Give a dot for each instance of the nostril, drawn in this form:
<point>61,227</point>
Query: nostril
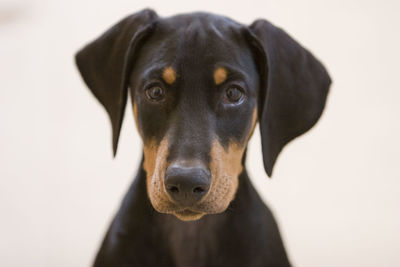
<point>173,189</point>
<point>187,185</point>
<point>198,190</point>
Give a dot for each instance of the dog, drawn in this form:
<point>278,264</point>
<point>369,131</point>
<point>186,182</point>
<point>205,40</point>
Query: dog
<point>199,83</point>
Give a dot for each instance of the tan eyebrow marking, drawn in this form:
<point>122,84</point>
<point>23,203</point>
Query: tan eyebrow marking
<point>220,75</point>
<point>169,75</point>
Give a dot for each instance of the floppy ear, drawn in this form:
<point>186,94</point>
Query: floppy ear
<point>294,89</point>
<point>106,63</point>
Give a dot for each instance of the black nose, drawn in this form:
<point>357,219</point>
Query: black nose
<point>187,185</point>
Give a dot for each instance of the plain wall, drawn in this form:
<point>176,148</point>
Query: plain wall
<point>335,191</point>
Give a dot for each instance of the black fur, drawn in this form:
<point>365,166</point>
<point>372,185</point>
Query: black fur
<point>279,78</point>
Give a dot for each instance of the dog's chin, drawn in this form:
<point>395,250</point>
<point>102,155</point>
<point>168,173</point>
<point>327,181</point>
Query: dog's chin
<point>188,215</point>
<point>185,214</point>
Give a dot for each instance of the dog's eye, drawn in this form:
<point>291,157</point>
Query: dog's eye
<point>233,95</point>
<point>155,93</point>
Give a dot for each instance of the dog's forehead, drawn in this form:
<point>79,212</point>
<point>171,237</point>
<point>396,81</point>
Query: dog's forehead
<point>197,40</point>
<point>201,25</point>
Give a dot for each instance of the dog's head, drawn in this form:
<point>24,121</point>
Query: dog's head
<point>199,83</point>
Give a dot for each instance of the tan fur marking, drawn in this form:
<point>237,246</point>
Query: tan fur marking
<point>253,124</point>
<point>169,75</point>
<point>225,167</point>
<point>135,115</point>
<point>220,75</point>
<point>155,164</point>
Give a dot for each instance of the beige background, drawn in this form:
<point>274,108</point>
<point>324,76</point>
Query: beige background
<point>335,191</point>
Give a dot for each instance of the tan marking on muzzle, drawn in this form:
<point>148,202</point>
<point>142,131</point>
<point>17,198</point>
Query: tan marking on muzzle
<point>169,75</point>
<point>155,164</point>
<point>220,75</point>
<point>225,167</point>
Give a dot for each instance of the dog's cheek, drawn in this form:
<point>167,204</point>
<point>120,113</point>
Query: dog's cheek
<point>135,115</point>
<point>225,168</point>
<point>150,149</point>
<point>155,165</point>
<point>253,124</point>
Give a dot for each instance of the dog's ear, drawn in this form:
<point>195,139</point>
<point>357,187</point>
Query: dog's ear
<point>106,63</point>
<point>294,87</point>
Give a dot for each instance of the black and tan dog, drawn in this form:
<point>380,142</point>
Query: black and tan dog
<point>199,84</point>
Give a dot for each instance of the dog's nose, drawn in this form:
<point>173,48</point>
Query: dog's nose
<point>187,185</point>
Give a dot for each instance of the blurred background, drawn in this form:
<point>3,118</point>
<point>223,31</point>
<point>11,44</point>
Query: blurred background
<point>335,190</point>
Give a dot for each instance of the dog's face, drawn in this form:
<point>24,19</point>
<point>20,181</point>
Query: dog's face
<point>199,83</point>
<point>194,94</point>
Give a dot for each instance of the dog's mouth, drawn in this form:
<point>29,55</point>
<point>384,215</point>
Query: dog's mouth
<point>188,214</point>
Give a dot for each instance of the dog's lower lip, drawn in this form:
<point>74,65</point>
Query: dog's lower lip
<point>187,212</point>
